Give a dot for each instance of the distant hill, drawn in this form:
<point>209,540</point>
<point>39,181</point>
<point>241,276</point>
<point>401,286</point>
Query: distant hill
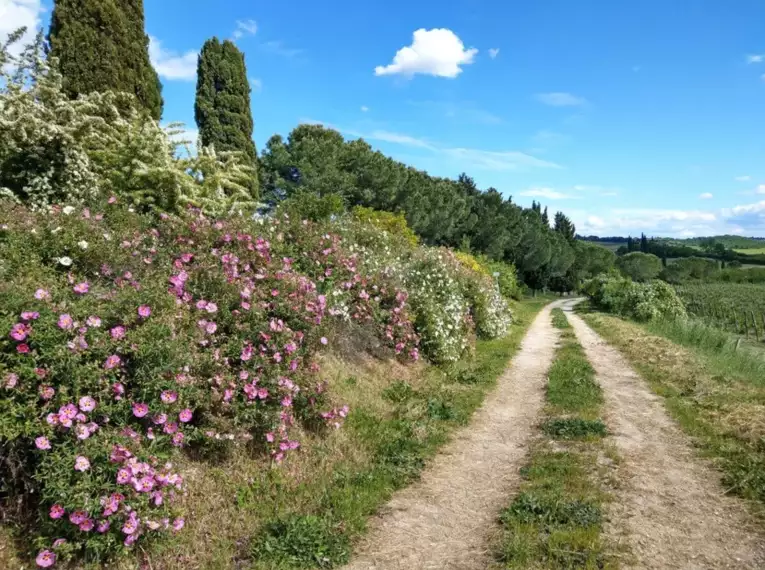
<point>729,241</point>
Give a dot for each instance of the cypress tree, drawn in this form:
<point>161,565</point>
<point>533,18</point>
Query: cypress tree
<point>222,107</point>
<point>101,45</point>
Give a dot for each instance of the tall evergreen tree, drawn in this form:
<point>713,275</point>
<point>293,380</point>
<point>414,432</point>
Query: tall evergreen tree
<point>565,227</point>
<point>101,45</point>
<point>222,108</point>
<point>643,243</point>
<point>545,217</point>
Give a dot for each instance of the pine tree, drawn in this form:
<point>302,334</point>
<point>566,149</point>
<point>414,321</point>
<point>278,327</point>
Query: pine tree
<point>222,107</point>
<point>630,244</point>
<point>101,45</point>
<point>565,227</point>
<point>643,243</point>
<point>545,217</point>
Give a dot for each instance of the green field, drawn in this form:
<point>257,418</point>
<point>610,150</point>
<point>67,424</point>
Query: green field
<point>726,304</point>
<point>751,251</point>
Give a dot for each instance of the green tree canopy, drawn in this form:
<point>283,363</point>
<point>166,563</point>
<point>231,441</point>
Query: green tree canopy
<point>101,46</point>
<point>639,266</point>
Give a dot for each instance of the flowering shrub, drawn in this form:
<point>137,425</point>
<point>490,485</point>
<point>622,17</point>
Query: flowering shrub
<point>126,341</point>
<point>641,301</point>
<point>125,338</point>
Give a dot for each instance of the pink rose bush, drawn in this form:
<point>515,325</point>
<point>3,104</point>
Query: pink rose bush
<point>184,333</point>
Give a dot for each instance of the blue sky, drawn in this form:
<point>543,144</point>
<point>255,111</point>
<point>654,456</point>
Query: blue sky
<point>629,116</point>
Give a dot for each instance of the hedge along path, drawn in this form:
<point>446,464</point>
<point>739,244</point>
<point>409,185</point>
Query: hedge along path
<point>448,518</point>
<point>670,506</point>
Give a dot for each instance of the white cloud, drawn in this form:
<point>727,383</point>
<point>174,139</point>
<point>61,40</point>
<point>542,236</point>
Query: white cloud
<point>493,52</point>
<point>245,28</point>
<point>755,58</point>
<point>706,196</point>
<point>397,138</point>
<point>15,14</point>
<point>760,189</point>
<point>548,193</point>
<point>169,64</point>
<point>596,222</point>
<point>497,160</point>
<point>439,52</point>
<point>277,47</point>
<point>560,99</point>
<point>743,178</point>
<point>600,190</point>
<point>364,108</point>
<point>256,83</point>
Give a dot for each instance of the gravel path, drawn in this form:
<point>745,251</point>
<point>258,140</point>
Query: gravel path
<point>669,508</point>
<point>446,520</point>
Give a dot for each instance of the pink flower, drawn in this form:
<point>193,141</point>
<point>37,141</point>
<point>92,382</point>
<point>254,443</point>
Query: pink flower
<point>178,524</point>
<point>93,321</point>
<point>323,340</point>
<point>45,559</point>
<point>81,463</point>
<point>159,419</point>
<point>47,392</point>
<point>210,328</point>
<point>103,526</point>
<point>41,294</point>
<point>185,415</point>
<point>87,404</point>
<point>211,308</point>
<point>30,315</point>
<point>82,288</point>
<point>119,390</point>
<point>112,362</point>
<point>123,476</point>
<point>86,525</point>
<point>117,332</point>
<point>68,411</point>
<point>59,542</point>
<point>131,525</point>
<point>140,410</point>
<point>77,517</point>
<point>178,439</point>
<point>52,419</point>
<point>112,200</point>
<point>82,431</point>
<point>144,311</point>
<point>22,348</point>
<point>42,443</point>
<point>270,437</point>
<point>169,396</point>
<point>19,331</point>
<point>57,511</point>
<point>170,428</point>
<point>65,322</point>
<point>11,380</point>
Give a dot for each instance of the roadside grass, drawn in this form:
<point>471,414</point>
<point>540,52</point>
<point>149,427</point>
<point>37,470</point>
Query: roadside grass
<point>309,512</point>
<point>714,391</point>
<point>556,520</point>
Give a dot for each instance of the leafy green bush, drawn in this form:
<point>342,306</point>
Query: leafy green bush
<point>392,223</point>
<point>641,301</point>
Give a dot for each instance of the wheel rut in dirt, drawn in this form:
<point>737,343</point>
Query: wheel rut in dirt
<point>670,507</point>
<point>447,519</point>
